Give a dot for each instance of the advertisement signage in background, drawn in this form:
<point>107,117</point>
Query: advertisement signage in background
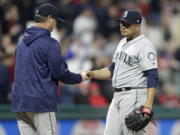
<point>9,128</point>
<point>2,130</point>
<point>95,127</point>
<point>88,127</point>
<point>176,128</point>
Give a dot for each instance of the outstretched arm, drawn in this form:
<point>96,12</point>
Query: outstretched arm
<point>100,74</point>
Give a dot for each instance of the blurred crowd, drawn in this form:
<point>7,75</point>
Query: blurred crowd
<point>89,38</point>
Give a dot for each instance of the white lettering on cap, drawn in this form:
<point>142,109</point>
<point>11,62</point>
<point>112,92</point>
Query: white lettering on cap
<point>125,14</point>
<point>37,11</point>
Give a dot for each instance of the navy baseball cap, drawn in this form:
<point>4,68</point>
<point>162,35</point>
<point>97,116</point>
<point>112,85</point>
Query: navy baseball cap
<point>49,9</point>
<point>131,16</point>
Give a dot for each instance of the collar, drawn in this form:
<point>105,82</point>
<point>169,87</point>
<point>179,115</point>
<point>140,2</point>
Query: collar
<point>135,39</point>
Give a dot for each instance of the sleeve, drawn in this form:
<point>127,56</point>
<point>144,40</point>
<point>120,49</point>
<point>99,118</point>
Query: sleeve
<point>59,68</point>
<point>111,68</point>
<point>152,77</point>
<point>148,58</point>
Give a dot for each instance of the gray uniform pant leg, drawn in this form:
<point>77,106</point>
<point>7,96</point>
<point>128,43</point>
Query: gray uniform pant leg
<point>112,126</point>
<point>122,104</point>
<point>37,123</point>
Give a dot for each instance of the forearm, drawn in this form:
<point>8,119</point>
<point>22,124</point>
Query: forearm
<point>152,81</point>
<point>150,97</point>
<point>102,74</point>
<point>70,77</point>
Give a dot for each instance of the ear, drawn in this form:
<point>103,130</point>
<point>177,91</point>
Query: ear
<point>138,26</point>
<point>49,19</point>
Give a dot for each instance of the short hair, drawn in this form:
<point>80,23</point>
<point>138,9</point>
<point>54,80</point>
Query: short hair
<point>40,19</point>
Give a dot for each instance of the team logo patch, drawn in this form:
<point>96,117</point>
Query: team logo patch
<point>125,14</point>
<point>151,56</point>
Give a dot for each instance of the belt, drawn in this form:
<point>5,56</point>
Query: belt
<point>127,89</point>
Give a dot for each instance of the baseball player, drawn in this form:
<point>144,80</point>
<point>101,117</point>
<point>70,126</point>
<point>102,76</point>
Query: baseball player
<point>39,66</point>
<point>134,75</point>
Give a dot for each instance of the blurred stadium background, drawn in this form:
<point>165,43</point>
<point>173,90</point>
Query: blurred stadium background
<point>89,39</point>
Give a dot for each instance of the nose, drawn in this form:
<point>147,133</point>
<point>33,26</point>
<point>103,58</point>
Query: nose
<point>122,27</point>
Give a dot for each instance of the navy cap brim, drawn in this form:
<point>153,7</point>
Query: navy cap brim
<point>123,20</point>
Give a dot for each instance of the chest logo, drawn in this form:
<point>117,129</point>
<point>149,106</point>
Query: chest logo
<point>126,58</point>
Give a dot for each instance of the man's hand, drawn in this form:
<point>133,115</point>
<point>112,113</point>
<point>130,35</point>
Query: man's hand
<point>86,75</point>
<point>148,105</point>
<point>90,74</point>
<point>101,74</point>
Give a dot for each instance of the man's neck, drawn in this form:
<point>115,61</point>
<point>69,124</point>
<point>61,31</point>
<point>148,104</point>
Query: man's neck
<point>42,25</point>
<point>134,36</point>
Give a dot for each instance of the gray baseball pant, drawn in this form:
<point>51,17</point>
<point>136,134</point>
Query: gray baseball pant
<point>122,104</point>
<point>37,123</point>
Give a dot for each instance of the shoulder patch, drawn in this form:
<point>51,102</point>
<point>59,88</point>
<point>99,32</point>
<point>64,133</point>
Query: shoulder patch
<point>151,56</point>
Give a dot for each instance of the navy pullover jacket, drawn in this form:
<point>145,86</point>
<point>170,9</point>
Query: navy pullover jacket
<point>39,65</point>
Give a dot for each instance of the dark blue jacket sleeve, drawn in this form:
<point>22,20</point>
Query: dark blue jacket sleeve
<point>152,77</point>
<point>111,68</point>
<point>59,69</point>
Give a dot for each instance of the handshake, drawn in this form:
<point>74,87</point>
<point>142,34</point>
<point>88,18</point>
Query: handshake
<point>86,75</point>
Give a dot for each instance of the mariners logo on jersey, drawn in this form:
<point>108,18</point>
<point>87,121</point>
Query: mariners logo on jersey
<point>125,58</point>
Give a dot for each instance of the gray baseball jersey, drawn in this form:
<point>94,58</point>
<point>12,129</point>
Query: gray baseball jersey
<point>131,59</point>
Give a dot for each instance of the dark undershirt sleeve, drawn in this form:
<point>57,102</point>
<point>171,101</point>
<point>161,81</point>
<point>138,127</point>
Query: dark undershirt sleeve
<point>111,68</point>
<point>152,77</point>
